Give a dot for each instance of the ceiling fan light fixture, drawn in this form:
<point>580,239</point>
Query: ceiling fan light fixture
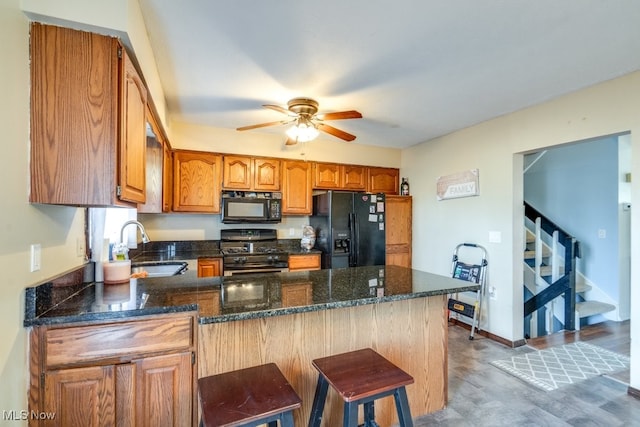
<point>303,131</point>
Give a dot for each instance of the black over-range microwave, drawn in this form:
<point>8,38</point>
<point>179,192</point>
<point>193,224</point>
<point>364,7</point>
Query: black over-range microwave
<point>245,206</point>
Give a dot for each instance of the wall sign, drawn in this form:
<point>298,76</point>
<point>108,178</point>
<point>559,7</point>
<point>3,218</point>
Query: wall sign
<point>461,184</point>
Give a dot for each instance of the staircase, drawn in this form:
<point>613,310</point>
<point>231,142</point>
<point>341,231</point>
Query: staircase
<point>555,293</point>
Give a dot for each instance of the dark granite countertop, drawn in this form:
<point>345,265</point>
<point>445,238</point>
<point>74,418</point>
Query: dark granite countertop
<point>222,299</point>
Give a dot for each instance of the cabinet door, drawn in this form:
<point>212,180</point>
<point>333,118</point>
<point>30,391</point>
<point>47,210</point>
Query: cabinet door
<point>196,181</point>
<point>164,387</point>
<point>80,397</point>
<point>326,176</point>
<point>238,172</point>
<point>133,104</point>
<point>383,180</point>
<point>154,166</point>
<point>398,230</point>
<point>266,175</point>
<point>354,177</point>
<point>74,117</point>
<point>209,267</point>
<point>296,188</point>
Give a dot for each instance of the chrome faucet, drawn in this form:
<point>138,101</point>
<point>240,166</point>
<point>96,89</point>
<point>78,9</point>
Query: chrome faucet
<point>145,238</point>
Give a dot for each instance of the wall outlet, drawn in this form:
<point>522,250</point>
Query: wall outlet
<point>492,292</point>
<point>36,257</point>
<point>292,232</point>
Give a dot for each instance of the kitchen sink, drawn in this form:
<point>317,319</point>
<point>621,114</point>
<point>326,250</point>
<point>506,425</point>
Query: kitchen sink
<point>159,268</point>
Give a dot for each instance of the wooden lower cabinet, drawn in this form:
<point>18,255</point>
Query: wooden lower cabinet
<point>209,267</point>
<point>126,373</point>
<point>81,396</point>
<point>297,294</point>
<point>163,390</point>
<point>304,262</point>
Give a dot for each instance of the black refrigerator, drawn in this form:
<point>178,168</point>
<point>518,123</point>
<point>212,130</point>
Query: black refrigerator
<point>350,228</point>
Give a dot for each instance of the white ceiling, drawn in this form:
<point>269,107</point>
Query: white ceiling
<point>415,69</point>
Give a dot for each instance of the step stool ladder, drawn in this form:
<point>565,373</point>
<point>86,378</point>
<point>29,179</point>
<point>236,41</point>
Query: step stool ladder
<point>476,273</point>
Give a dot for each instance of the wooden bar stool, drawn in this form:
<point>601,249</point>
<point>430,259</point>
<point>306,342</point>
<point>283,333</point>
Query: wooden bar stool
<point>360,377</point>
<point>247,397</point>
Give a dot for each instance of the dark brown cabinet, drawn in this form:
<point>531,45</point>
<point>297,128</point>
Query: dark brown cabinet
<point>88,122</point>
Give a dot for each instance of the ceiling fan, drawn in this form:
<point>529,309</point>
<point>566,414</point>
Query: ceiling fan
<point>303,113</point>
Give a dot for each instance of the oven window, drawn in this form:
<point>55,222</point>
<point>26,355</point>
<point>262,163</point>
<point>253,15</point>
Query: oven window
<point>245,210</point>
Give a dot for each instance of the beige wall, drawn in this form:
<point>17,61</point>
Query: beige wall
<point>495,148</point>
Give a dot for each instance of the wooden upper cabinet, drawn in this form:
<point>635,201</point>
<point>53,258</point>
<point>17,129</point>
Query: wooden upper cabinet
<point>238,171</point>
<point>154,166</point>
<point>383,180</point>
<point>87,120</point>
<point>133,121</point>
<point>334,176</point>
<point>354,177</point>
<point>266,174</point>
<point>248,173</point>
<point>296,188</point>
<point>196,181</point>
<point>327,176</point>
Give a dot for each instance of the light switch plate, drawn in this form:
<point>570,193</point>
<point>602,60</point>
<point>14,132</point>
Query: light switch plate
<point>36,254</point>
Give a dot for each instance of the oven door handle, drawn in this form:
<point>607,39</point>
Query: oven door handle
<point>256,270</point>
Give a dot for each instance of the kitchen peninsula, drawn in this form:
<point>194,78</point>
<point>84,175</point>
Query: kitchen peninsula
<point>286,318</point>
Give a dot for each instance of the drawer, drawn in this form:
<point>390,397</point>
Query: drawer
<point>118,341</point>
<point>304,262</point>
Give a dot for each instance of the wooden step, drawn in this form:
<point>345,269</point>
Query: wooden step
<point>582,287</point>
<point>530,254</point>
<point>591,308</point>
<point>545,270</point>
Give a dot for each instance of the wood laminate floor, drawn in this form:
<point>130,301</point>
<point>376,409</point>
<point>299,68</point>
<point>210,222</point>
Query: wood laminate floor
<point>483,395</point>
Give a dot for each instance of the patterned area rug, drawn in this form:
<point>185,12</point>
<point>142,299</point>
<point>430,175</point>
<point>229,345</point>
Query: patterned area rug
<point>555,367</point>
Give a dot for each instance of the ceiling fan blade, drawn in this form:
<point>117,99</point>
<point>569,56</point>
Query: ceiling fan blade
<point>335,132</point>
<point>279,109</point>
<point>351,114</point>
<point>290,141</point>
<point>262,125</point>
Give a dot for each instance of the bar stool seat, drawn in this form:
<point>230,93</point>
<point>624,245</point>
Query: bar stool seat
<point>247,397</point>
<point>360,377</point>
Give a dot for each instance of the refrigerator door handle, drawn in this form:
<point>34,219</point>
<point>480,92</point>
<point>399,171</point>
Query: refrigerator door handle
<point>355,240</point>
